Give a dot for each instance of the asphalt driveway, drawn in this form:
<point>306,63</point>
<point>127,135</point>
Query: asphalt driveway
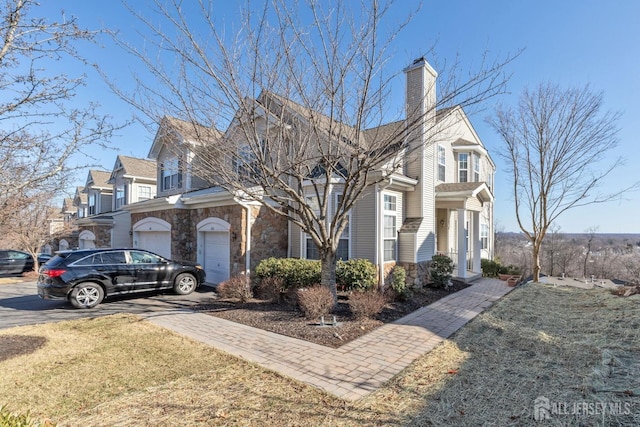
<point>21,305</point>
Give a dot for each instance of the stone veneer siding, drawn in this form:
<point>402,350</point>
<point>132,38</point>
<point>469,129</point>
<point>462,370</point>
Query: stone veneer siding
<point>102,233</point>
<point>268,233</point>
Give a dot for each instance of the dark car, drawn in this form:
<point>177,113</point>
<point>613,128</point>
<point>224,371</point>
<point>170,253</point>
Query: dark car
<point>85,277</point>
<point>13,262</point>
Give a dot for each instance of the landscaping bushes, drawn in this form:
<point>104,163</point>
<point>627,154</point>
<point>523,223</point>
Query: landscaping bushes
<point>237,287</point>
<point>356,274</point>
<point>351,275</point>
<point>366,304</point>
<point>315,301</point>
<point>295,273</point>
<point>398,284</point>
<point>270,288</point>
<point>441,268</point>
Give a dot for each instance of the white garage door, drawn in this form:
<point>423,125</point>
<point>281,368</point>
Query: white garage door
<point>156,241</point>
<point>216,256</point>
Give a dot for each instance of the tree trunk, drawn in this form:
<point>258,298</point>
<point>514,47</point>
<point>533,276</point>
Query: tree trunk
<point>328,274</point>
<point>536,262</point>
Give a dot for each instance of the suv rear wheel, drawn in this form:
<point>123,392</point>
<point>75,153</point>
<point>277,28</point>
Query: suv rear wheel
<point>86,295</point>
<point>184,284</point>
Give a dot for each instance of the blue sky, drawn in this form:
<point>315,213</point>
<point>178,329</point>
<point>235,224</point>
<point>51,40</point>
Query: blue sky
<point>572,43</point>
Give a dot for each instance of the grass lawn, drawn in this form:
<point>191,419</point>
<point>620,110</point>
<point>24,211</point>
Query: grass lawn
<point>577,348</point>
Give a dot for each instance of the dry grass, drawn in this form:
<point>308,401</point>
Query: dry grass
<point>568,345</point>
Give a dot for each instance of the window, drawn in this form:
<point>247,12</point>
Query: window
<point>390,234</point>
<point>342,253</point>
<point>171,174</point>
<point>463,166</point>
<point>104,258</point>
<point>92,204</point>
<point>343,244</point>
<point>476,168</point>
<point>442,162</point>
<point>120,197</point>
<point>312,249</point>
<point>144,192</point>
<point>138,257</point>
<point>484,236</point>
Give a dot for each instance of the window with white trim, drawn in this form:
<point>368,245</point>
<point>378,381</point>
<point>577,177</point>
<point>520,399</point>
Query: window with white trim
<point>442,163</point>
<point>171,174</point>
<point>484,236</point>
<point>343,245</point>
<point>476,167</point>
<point>463,167</point>
<point>311,248</point>
<point>144,192</point>
<point>120,197</point>
<point>389,233</point>
<point>92,204</point>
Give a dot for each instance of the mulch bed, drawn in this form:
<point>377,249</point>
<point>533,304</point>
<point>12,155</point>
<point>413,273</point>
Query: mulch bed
<point>287,320</point>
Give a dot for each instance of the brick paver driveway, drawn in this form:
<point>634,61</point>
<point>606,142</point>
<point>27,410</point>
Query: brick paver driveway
<point>20,304</point>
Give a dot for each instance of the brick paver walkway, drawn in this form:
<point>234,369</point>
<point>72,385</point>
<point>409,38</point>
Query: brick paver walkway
<point>358,367</point>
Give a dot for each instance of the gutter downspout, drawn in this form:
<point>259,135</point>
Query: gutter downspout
<point>247,257</point>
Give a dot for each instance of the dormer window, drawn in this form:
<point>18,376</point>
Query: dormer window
<point>463,167</point>
<point>171,174</point>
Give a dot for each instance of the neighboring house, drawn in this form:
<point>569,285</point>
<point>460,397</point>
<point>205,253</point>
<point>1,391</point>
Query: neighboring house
<point>191,220</point>
<point>97,229</point>
<point>133,180</point>
<point>441,201</point>
<point>80,202</point>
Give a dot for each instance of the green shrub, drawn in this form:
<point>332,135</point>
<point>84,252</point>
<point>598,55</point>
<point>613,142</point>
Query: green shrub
<point>356,274</point>
<point>398,283</point>
<point>490,268</point>
<point>510,269</point>
<point>440,269</point>
<point>236,287</point>
<point>295,273</point>
<point>366,304</point>
<point>315,301</point>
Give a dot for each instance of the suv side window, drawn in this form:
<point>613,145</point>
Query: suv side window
<point>17,255</point>
<point>113,258</point>
<point>139,257</point>
<point>104,258</point>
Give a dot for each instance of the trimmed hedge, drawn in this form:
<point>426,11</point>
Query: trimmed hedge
<point>353,275</point>
<point>356,274</point>
<point>294,272</point>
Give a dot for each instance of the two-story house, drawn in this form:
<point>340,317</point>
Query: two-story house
<point>107,224</point>
<point>133,180</point>
<point>440,201</point>
<point>192,220</point>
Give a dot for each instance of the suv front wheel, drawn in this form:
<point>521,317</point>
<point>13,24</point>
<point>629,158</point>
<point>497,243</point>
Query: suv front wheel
<point>86,295</point>
<point>184,284</point>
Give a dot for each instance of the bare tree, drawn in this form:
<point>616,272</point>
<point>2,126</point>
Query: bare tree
<point>29,219</point>
<point>555,141</point>
<point>302,90</point>
<point>42,126</point>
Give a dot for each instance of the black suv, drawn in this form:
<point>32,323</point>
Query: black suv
<point>86,276</point>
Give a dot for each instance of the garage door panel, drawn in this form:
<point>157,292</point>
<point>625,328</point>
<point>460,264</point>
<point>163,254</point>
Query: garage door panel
<point>216,256</point>
<point>156,241</point>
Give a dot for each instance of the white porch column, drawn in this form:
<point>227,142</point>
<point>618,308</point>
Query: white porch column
<point>477,265</point>
<point>462,244</point>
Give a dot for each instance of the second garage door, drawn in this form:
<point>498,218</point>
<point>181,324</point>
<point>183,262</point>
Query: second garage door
<point>216,256</point>
<point>156,241</point>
